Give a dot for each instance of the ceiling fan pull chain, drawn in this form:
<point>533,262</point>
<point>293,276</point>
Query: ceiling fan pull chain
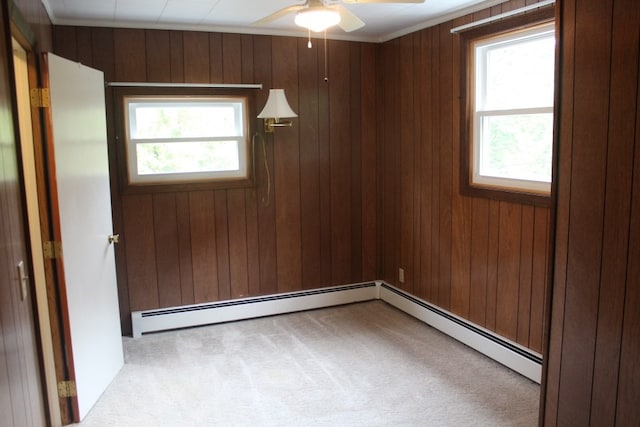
<point>309,44</point>
<point>326,73</point>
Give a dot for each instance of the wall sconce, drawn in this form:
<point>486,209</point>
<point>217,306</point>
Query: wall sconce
<point>275,109</point>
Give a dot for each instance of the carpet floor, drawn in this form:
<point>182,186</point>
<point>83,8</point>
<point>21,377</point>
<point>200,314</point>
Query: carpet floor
<point>364,364</point>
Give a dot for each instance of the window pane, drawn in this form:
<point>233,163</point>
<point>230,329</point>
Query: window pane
<point>517,147</point>
<point>180,120</point>
<point>185,157</point>
<point>519,73</point>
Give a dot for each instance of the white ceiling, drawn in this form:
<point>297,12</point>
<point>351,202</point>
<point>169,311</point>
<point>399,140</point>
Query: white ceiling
<point>383,21</point>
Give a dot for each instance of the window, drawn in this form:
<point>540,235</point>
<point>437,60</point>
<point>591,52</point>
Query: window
<point>510,91</point>
<point>183,139</point>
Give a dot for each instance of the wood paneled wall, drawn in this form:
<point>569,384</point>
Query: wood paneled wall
<point>35,14</point>
<point>319,225</point>
<point>484,260</point>
<point>22,401</point>
<point>593,374</point>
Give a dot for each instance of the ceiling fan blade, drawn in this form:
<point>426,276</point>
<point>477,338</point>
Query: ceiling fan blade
<point>348,21</point>
<point>279,14</point>
<point>382,1</point>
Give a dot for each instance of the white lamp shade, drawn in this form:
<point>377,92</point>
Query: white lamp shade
<point>317,19</point>
<point>277,106</point>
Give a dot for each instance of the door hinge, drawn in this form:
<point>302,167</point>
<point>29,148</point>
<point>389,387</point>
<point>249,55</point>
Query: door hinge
<point>40,97</point>
<point>67,389</point>
<point>52,250</point>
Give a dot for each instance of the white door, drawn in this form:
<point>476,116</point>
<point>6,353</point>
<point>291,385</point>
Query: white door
<point>79,140</point>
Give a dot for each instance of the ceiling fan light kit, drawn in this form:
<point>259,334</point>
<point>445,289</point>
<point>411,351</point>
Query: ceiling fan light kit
<point>317,19</point>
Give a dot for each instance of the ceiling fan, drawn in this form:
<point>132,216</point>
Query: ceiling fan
<point>318,15</point>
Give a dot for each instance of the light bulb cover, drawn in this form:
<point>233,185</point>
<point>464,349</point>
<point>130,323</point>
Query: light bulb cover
<point>317,19</point>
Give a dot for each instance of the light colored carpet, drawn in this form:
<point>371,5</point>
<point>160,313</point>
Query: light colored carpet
<point>364,364</point>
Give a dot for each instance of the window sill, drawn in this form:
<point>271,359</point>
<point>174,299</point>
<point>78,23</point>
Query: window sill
<point>543,200</point>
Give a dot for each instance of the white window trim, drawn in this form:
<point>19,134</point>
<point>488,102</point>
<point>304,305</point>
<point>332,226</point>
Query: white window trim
<point>508,184</point>
<point>242,140</point>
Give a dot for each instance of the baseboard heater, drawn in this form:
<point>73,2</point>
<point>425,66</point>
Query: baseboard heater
<point>511,354</point>
<point>248,308</point>
<point>504,351</point>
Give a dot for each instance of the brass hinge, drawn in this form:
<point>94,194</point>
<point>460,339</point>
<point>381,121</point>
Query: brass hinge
<point>67,389</point>
<point>40,97</point>
<point>52,250</point>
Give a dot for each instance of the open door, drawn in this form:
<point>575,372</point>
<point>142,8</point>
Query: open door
<point>80,201</point>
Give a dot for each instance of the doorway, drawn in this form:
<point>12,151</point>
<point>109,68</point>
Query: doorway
<point>25,120</point>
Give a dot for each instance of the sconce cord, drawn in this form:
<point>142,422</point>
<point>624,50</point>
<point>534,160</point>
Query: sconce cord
<point>265,199</point>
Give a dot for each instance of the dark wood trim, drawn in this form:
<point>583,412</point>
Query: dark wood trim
<point>57,287</point>
<point>118,94</point>
<point>551,242</point>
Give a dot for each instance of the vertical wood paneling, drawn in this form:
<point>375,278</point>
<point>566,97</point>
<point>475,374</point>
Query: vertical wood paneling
<point>308,81</point>
<point>253,243</point>
<point>564,133</point>
<point>526,266</point>
<point>165,230</point>
<point>140,244</point>
<point>265,187</point>
<point>324,159</point>
<point>237,222</point>
<point>508,279</point>
<point>539,278</point>
<point>203,246</point>
<point>492,265</point>
<point>446,106</point>
<point>356,162</point>
<point>195,47</point>
<point>617,213</point>
<point>216,58</point>
<point>435,200</point>
<point>223,256</point>
<point>369,174</point>
<point>231,64</point>
<point>417,114</point>
<point>479,258</point>
<point>65,40</point>
<point>103,52</point>
<point>426,153</point>
<point>592,371</point>
<point>238,244</point>
<point>158,48</point>
<point>250,194</point>
<point>286,172</point>
<point>390,172</point>
<point>592,50</point>
<point>340,151</point>
<point>476,257</point>
<point>406,165</point>
<point>176,64</point>
<point>84,48</point>
<point>130,55</point>
<point>627,411</point>
<point>461,217</point>
<point>184,248</point>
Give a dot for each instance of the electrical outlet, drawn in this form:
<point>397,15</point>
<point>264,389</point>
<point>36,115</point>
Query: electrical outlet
<point>401,275</point>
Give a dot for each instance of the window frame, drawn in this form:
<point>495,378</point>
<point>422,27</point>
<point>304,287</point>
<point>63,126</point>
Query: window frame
<point>468,187</point>
<point>163,183</point>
